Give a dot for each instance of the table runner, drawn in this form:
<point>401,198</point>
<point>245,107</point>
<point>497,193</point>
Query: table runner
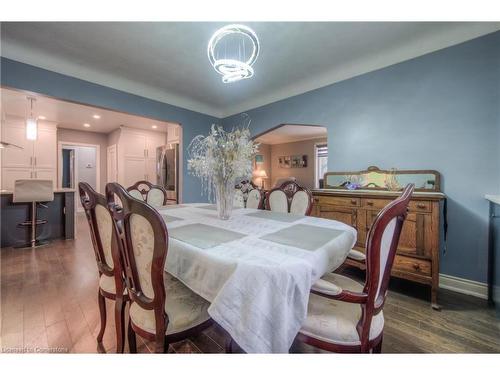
<point>258,289</point>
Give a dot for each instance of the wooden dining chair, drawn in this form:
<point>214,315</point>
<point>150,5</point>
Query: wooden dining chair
<point>290,197</point>
<point>107,257</point>
<point>155,195</point>
<point>345,316</point>
<point>162,308</point>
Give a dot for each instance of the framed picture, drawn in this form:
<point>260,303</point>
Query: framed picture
<point>259,159</point>
<point>299,161</point>
<point>284,162</point>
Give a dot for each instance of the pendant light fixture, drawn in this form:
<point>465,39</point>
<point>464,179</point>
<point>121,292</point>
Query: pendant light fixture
<point>31,121</point>
<point>232,51</point>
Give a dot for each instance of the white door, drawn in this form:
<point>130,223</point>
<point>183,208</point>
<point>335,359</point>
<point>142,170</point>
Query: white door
<point>112,171</point>
<point>10,175</point>
<point>133,171</point>
<point>14,157</point>
<point>45,155</point>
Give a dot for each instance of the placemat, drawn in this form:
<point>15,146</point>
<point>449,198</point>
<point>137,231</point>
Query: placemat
<point>203,236</point>
<point>304,236</point>
<point>278,216</point>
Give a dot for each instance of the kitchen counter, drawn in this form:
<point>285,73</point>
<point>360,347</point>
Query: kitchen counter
<point>493,198</point>
<point>59,190</point>
<point>59,213</point>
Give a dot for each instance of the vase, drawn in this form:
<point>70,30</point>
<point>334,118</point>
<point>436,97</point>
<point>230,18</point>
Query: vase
<point>224,196</point>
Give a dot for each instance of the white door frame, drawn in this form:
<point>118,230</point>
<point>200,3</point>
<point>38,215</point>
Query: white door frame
<point>115,178</point>
<point>60,145</point>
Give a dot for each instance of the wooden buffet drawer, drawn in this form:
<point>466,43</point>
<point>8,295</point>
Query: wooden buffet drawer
<point>415,206</point>
<point>413,265</point>
<point>420,206</point>
<point>338,201</point>
<point>374,203</point>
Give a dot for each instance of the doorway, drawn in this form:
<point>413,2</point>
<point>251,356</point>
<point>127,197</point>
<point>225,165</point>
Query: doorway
<point>78,163</point>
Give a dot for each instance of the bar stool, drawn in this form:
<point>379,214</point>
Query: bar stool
<point>33,191</point>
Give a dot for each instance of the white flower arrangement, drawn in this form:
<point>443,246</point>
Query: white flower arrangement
<point>221,158</point>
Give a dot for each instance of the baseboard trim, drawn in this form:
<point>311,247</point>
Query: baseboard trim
<point>464,286</point>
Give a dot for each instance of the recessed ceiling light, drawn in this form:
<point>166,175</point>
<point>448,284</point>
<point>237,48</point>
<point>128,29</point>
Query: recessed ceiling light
<point>86,125</point>
<point>154,126</point>
<point>96,117</point>
<point>42,117</point>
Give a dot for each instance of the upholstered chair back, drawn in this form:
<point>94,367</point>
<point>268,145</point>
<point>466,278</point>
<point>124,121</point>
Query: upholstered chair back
<point>239,199</point>
<point>142,239</point>
<point>301,203</point>
<point>290,197</point>
<point>254,199</point>
<point>101,227</point>
<point>277,201</point>
<point>154,195</point>
<point>381,246</point>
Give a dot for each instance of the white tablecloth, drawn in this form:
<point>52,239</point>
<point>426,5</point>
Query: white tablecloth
<point>258,289</point>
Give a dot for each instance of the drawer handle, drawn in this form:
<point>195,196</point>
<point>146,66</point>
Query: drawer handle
<point>316,200</point>
<point>416,266</point>
<point>354,201</point>
<point>421,205</point>
<point>369,203</point>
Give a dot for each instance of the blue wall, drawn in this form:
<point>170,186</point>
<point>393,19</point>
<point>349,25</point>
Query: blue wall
<point>438,111</point>
<point>26,77</point>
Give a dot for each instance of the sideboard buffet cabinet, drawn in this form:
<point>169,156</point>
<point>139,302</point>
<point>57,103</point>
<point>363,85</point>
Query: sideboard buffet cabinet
<point>355,198</point>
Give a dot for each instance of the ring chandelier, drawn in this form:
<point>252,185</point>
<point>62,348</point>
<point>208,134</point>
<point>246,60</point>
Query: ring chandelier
<point>233,69</point>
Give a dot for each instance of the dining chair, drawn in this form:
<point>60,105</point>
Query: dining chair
<point>155,195</point>
<point>255,199</point>
<point>107,257</point>
<point>162,308</point>
<point>345,316</point>
<point>248,195</point>
<point>290,197</point>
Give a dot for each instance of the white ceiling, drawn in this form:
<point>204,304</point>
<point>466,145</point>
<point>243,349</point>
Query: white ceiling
<point>167,61</point>
<point>72,116</point>
<point>292,133</point>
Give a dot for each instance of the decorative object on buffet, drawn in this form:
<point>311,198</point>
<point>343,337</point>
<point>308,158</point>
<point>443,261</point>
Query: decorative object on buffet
<point>374,178</point>
<point>220,159</point>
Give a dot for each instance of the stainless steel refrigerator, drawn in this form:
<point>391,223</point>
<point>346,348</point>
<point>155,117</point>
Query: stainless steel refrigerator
<point>167,166</point>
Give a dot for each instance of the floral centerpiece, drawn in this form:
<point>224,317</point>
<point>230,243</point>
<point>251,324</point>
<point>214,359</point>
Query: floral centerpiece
<point>220,159</point>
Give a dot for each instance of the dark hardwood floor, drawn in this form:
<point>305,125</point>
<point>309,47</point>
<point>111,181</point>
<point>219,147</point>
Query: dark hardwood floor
<point>49,304</point>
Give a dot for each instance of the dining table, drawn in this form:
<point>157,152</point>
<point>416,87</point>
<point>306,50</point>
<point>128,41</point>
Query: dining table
<point>256,268</point>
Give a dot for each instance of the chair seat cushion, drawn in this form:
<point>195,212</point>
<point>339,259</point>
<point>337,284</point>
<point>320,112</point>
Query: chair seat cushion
<point>185,309</point>
<point>356,255</point>
<point>335,321</point>
<point>107,283</point>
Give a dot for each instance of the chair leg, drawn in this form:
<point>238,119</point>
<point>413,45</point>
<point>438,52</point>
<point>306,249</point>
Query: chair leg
<point>161,345</point>
<point>377,349</point>
<point>131,338</point>
<point>120,324</point>
<point>229,345</point>
<point>102,310</point>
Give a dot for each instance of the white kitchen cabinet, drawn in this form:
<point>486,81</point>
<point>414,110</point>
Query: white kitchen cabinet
<point>136,155</point>
<point>174,134</point>
<point>10,175</point>
<point>15,133</point>
<point>45,149</point>
<point>36,159</point>
<point>46,174</point>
